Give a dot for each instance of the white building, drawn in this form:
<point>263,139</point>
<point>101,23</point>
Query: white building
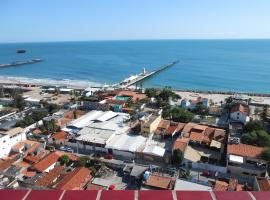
<point>9,139</point>
<point>240,113</point>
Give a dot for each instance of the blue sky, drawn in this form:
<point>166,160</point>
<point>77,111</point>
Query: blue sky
<point>72,20</point>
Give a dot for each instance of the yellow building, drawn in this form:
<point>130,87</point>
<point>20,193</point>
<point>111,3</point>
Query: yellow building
<point>149,124</point>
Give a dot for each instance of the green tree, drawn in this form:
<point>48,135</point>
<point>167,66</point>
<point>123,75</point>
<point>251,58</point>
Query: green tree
<point>74,114</point>
<point>181,115</point>
<point>177,157</point>
<point>151,92</point>
<point>64,160</point>
<point>201,110</point>
<point>18,102</point>
<point>260,138</point>
<point>266,154</point>
<point>84,161</point>
<point>254,125</point>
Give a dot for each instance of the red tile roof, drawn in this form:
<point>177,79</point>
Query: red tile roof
<point>241,108</point>
<point>264,184</point>
<point>75,180</point>
<point>51,159</point>
<point>181,143</point>
<point>50,178</point>
<point>245,150</point>
<point>62,135</point>
<point>160,182</point>
<point>5,164</point>
<point>198,137</point>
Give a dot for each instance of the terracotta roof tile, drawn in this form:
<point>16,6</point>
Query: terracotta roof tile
<point>180,143</point>
<point>62,135</point>
<point>159,182</point>
<point>241,108</point>
<point>198,137</point>
<point>50,178</point>
<point>53,158</point>
<point>75,180</point>
<point>245,150</point>
<point>92,186</point>
<point>221,186</point>
<point>264,184</point>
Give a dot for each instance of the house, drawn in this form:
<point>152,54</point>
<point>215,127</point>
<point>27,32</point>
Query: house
<point>240,113</point>
<point>262,184</point>
<point>75,180</point>
<point>191,104</point>
<point>49,162</point>
<point>134,96</point>
<point>231,185</point>
<point>149,124</point>
<point>202,146</point>
<point>51,177</point>
<point>9,139</point>
<point>59,138</point>
<point>245,160</point>
<point>158,182</point>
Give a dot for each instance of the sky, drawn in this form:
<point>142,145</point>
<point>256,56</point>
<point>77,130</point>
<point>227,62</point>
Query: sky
<point>79,20</point>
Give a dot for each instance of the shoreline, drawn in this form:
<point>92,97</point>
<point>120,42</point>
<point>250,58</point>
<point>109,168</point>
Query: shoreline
<point>82,84</point>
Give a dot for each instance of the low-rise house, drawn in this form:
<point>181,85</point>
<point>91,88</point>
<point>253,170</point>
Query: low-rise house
<point>191,104</point>
<point>262,184</point>
<point>75,180</point>
<point>202,146</point>
<point>159,182</point>
<point>9,139</point>
<point>59,138</point>
<point>246,160</point>
<point>240,113</point>
<point>49,162</point>
<point>231,185</point>
<point>50,179</point>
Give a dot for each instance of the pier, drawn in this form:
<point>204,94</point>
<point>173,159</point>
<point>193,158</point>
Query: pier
<point>132,80</point>
<point>18,63</point>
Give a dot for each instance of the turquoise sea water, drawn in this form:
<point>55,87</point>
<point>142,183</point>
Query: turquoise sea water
<point>227,65</point>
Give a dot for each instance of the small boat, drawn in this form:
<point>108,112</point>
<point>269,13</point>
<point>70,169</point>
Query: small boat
<point>21,51</point>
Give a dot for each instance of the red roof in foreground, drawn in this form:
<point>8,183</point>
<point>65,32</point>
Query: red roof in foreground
<point>78,195</point>
<point>129,195</point>
<point>156,195</point>
<point>117,195</point>
<point>233,195</point>
<point>189,195</point>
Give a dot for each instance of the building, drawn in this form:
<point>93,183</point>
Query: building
<point>75,180</point>
<point>240,113</point>
<point>202,146</point>
<point>9,139</point>
<point>50,161</point>
<point>231,185</point>
<point>262,184</point>
<point>245,160</point>
<point>149,124</point>
<point>191,104</point>
<point>50,179</point>
<point>158,182</point>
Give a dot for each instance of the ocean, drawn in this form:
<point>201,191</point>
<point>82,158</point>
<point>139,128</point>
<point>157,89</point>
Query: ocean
<point>222,65</point>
